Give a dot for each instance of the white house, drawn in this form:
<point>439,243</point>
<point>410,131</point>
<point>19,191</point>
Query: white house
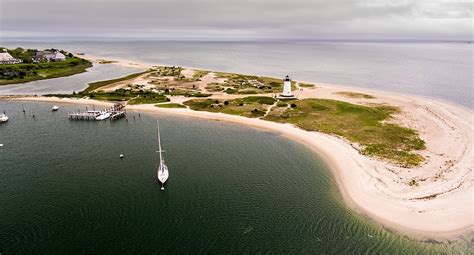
<point>49,56</point>
<point>6,58</point>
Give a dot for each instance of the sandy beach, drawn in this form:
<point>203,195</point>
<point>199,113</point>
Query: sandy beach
<point>440,206</point>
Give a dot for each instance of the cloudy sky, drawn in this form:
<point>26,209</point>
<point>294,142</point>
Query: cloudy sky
<point>229,19</point>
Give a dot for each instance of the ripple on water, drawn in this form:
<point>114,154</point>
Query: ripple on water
<point>232,190</point>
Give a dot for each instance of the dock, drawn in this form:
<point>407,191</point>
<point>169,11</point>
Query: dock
<point>113,113</point>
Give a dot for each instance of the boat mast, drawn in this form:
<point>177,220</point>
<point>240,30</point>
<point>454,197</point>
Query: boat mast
<point>159,143</point>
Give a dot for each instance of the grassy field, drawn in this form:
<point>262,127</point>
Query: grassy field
<point>25,72</point>
<point>252,106</point>
<point>366,126</point>
<point>171,105</point>
<point>98,84</point>
<point>354,95</point>
<point>250,84</point>
<point>149,99</point>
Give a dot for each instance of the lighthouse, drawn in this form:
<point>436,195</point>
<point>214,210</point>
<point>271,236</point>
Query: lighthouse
<point>286,89</point>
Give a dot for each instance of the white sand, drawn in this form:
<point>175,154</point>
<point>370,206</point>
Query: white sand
<point>440,207</point>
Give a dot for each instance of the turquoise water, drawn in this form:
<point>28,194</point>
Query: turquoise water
<point>232,189</point>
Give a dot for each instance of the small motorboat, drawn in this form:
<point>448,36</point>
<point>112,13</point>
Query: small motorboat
<point>3,118</point>
<point>55,108</point>
<point>103,115</point>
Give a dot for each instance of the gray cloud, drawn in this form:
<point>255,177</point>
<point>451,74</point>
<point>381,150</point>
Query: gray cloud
<point>241,19</point>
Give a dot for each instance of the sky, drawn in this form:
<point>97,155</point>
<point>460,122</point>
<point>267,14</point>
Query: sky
<point>239,19</point>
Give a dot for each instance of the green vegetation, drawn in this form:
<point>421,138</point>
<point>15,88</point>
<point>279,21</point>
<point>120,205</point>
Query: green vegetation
<point>354,95</point>
<point>306,85</point>
<point>104,61</point>
<point>199,74</point>
<point>252,107</point>
<point>184,92</point>
<point>364,125</point>
<point>168,71</point>
<point>412,182</point>
<point>25,72</point>
<point>171,105</point>
<point>214,87</point>
<point>134,97</point>
<point>149,99</point>
<point>98,84</point>
<point>250,84</point>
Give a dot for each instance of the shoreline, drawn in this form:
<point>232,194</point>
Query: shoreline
<point>440,208</point>
<point>349,168</point>
<point>135,64</point>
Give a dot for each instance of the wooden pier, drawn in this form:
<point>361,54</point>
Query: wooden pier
<point>113,113</point>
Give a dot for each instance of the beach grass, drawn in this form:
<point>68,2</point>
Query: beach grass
<point>199,74</point>
<point>171,105</point>
<point>354,95</point>
<point>252,106</point>
<point>163,71</point>
<point>369,127</point>
<point>104,61</point>
<point>250,84</point>
<point>306,85</point>
<point>98,84</point>
<point>149,99</point>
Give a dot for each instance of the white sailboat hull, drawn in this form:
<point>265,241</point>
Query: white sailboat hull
<point>163,176</point>
<point>163,173</point>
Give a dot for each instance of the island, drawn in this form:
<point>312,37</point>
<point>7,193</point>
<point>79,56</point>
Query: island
<point>24,65</point>
<point>401,160</point>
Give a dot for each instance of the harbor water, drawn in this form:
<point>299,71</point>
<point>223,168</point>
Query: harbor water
<point>232,189</point>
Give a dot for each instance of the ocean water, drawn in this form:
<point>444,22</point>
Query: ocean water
<point>232,189</point>
<point>437,70</point>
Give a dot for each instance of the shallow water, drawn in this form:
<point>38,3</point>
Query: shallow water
<point>438,70</point>
<point>232,189</point>
<point>69,84</point>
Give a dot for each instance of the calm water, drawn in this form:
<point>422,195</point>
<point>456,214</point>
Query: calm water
<point>66,85</point>
<point>439,70</point>
<point>63,189</point>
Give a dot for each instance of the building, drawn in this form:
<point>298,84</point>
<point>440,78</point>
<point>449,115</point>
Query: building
<point>49,56</point>
<point>6,58</point>
<point>287,94</point>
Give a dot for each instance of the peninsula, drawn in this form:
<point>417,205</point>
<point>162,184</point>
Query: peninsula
<point>404,161</point>
<point>24,65</point>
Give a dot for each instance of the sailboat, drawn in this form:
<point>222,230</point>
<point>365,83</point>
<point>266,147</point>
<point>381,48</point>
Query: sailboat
<point>162,172</point>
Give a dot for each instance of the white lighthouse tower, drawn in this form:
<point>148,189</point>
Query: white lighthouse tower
<point>287,89</point>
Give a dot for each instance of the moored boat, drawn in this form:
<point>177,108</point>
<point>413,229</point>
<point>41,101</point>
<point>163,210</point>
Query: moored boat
<point>3,118</point>
<point>162,172</point>
<point>103,115</point>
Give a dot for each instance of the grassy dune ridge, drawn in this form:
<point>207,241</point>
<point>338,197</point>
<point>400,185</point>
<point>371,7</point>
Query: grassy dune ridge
<point>369,127</point>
